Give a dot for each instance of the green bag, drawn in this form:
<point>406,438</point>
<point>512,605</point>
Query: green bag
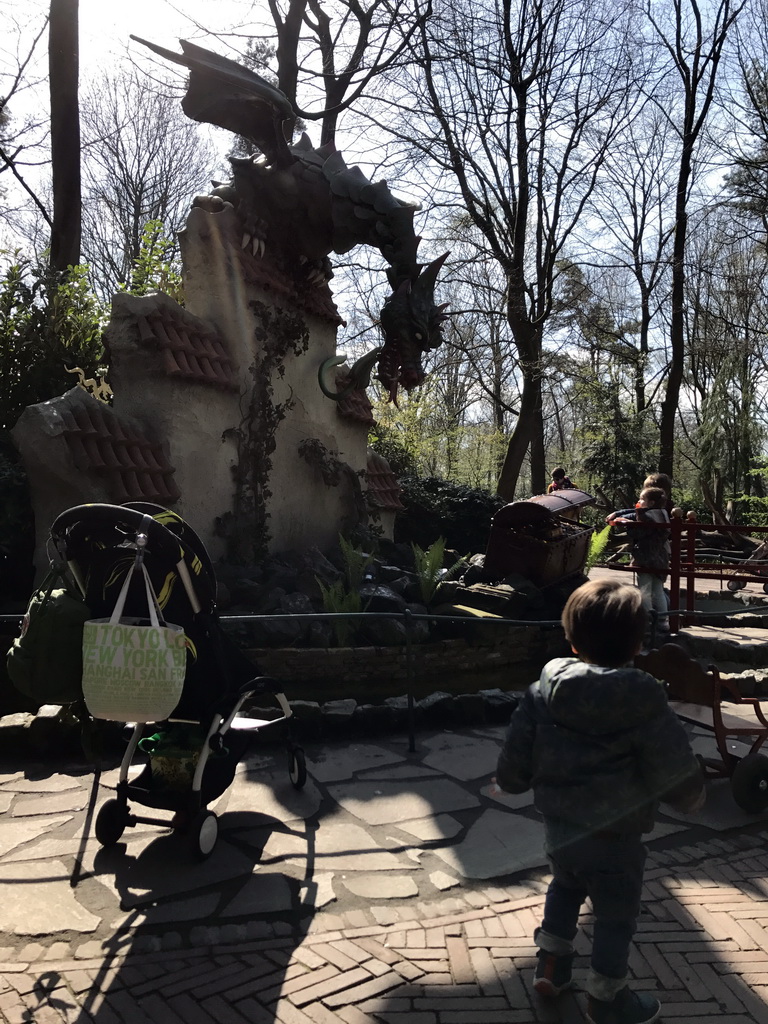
<point>46,660</point>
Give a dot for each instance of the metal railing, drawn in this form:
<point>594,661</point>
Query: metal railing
<point>687,564</point>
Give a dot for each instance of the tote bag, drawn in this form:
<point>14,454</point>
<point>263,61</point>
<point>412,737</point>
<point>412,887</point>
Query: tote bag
<point>133,669</point>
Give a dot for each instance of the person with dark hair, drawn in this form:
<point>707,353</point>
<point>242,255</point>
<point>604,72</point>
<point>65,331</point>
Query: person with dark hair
<point>597,741</point>
<point>560,481</point>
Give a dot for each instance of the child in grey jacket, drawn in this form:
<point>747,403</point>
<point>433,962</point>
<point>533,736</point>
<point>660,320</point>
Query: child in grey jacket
<point>597,741</point>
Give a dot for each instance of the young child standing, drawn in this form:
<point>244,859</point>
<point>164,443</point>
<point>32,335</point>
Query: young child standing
<point>597,741</point>
<point>651,551</point>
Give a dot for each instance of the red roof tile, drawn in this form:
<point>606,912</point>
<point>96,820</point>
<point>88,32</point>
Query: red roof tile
<point>355,405</point>
<point>383,489</point>
<point>189,348</point>
<point>134,467</point>
<point>315,299</point>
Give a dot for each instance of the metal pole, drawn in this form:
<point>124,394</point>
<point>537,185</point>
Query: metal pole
<point>409,681</point>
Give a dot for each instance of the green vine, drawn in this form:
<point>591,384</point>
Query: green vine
<point>277,334</point>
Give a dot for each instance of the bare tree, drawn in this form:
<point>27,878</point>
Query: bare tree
<point>635,202</point>
<point>327,54</point>
<point>144,161</point>
<point>22,130</point>
<point>694,49</point>
<point>515,106</point>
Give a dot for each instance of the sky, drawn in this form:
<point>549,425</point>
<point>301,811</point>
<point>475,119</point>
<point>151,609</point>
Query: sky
<point>106,27</point>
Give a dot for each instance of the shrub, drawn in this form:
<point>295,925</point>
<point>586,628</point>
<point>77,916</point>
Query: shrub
<point>437,508</point>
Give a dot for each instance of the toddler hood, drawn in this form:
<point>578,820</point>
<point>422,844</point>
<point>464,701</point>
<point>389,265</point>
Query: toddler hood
<point>597,700</point>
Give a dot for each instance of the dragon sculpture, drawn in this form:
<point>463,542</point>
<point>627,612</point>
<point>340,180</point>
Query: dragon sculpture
<point>300,203</point>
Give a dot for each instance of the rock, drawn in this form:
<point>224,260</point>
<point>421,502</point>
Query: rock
<point>468,709</point>
<point>378,597</point>
<point>374,718</point>
<point>338,713</point>
<point>383,632</point>
<point>413,591</point>
<point>282,577</point>
<point>399,708</point>
<point>296,604</point>
<point>476,574</point>
<point>248,592</point>
<point>15,733</point>
<point>311,561</point>
<point>419,629</point>
<point>447,590</point>
<point>499,704</point>
<point>397,554</point>
<point>320,633</point>
<point>53,729</point>
<point>400,584</point>
<point>431,709</point>
<point>281,632</point>
<point>392,573</point>
<point>308,717</point>
<point>307,584</point>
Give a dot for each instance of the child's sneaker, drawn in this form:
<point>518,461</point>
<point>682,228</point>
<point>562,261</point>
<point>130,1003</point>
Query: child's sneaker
<point>553,974</point>
<point>626,1007</point>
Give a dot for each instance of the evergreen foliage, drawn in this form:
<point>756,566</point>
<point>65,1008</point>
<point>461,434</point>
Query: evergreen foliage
<point>437,508</point>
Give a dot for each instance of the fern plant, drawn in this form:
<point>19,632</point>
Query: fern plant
<point>344,595</point>
<point>597,546</point>
<point>429,568</point>
<point>337,598</point>
<point>355,563</point>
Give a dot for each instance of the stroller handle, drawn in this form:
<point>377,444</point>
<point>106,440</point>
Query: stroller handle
<point>119,517</point>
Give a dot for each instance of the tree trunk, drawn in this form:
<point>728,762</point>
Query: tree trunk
<point>527,434</point>
<point>63,65</point>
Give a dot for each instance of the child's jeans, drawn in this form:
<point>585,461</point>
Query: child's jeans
<point>654,597</point>
<point>607,868</point>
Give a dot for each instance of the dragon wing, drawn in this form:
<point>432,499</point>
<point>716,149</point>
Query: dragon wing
<point>224,93</point>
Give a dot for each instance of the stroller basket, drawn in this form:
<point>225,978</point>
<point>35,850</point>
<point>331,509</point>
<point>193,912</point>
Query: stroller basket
<point>138,552</point>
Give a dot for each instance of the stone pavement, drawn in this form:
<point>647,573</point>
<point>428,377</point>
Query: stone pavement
<point>393,888</point>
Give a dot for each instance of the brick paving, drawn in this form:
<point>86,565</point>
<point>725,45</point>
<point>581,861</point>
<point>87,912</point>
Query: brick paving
<point>701,947</point>
<point>395,889</point>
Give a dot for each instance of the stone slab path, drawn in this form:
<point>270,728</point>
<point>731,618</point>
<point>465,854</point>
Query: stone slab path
<point>393,888</point>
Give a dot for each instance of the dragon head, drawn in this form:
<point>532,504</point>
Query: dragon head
<point>411,324</point>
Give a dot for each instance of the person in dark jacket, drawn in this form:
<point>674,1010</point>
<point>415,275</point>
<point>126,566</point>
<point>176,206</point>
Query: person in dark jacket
<point>597,741</point>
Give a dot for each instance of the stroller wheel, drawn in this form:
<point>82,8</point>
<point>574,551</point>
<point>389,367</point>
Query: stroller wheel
<point>734,585</point>
<point>298,768</point>
<point>765,588</point>
<point>749,783</point>
<point>110,822</point>
<point>203,832</point>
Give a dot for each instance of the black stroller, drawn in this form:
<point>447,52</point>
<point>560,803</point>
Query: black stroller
<point>194,753</point>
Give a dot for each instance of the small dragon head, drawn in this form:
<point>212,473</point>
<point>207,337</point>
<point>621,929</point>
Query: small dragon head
<point>411,324</point>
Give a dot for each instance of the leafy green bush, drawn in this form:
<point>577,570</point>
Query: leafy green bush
<point>388,443</point>
<point>751,510</point>
<point>49,323</point>
<point>437,508</point>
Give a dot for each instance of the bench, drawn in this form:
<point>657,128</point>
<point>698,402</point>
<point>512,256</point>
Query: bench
<point>700,696</point>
